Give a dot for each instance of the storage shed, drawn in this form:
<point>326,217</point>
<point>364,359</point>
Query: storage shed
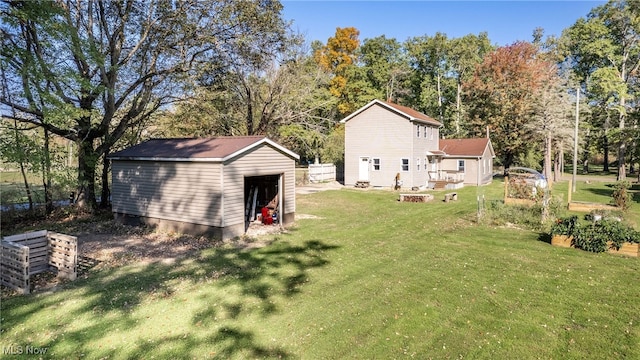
<point>215,185</point>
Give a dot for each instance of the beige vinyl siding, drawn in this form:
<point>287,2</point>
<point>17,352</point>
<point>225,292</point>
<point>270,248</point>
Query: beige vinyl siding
<point>263,160</point>
<point>487,173</point>
<point>378,133</point>
<point>180,191</point>
<point>421,145</point>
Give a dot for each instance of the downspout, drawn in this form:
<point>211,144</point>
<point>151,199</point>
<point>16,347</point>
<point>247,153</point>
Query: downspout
<point>478,162</point>
<point>280,201</point>
<point>222,210</point>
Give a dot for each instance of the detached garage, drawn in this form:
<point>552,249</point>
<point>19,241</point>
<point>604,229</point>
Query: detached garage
<point>213,186</point>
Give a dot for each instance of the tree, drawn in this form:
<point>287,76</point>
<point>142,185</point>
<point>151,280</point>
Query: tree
<point>385,68</point>
<point>551,120</point>
<point>501,95</point>
<point>608,42</point>
<point>336,57</point>
<point>88,70</point>
<point>466,52</point>
<point>429,56</point>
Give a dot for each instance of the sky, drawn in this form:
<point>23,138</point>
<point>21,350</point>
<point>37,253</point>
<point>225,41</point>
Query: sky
<point>505,21</point>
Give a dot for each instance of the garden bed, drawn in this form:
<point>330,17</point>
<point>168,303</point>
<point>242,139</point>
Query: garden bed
<point>583,206</point>
<point>606,234</point>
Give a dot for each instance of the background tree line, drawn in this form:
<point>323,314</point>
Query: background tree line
<point>106,75</point>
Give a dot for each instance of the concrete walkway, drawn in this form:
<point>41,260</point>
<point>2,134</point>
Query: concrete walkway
<point>316,187</point>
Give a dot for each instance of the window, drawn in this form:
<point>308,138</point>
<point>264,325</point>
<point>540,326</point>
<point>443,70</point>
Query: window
<point>461,165</point>
<point>418,164</point>
<point>431,133</point>
<point>417,130</point>
<point>405,164</point>
<point>376,164</point>
<point>425,131</point>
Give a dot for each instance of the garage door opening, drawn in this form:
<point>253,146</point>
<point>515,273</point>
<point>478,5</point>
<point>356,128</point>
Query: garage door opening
<point>262,192</point>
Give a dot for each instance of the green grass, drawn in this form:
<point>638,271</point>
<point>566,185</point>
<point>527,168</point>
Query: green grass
<point>600,192</point>
<point>370,278</point>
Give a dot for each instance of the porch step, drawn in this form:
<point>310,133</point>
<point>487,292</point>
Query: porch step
<point>440,184</point>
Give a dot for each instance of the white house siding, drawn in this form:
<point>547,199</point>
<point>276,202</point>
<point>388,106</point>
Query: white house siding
<point>421,145</point>
<point>472,166</point>
<point>189,192</point>
<point>378,133</point>
<point>263,160</point>
<point>486,175</point>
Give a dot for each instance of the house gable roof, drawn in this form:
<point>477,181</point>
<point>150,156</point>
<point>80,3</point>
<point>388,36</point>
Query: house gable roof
<point>466,147</point>
<point>406,112</point>
<point>220,148</point>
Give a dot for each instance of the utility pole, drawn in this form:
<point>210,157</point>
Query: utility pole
<point>575,141</point>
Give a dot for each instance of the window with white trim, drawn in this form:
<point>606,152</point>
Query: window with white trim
<point>405,164</point>
<point>376,164</point>
<point>418,164</point>
<point>417,130</point>
<point>425,131</point>
<point>431,133</point>
<point>461,165</point>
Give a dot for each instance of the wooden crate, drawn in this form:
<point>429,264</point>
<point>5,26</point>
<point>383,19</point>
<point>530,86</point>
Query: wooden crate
<point>31,253</point>
<point>63,255</point>
<point>14,266</point>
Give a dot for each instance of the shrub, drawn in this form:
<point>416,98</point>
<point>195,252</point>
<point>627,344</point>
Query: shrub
<point>530,217</point>
<point>621,196</point>
<point>565,226</point>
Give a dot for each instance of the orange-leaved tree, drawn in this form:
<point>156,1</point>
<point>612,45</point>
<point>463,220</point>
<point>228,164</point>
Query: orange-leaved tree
<point>501,97</point>
<point>336,57</point>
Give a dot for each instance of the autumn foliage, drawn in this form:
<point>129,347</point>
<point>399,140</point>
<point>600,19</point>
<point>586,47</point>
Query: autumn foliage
<point>502,95</point>
<point>336,57</point>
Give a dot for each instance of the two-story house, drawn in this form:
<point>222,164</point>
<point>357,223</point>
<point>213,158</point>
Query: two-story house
<point>385,141</point>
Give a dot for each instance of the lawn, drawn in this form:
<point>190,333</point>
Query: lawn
<point>361,276</point>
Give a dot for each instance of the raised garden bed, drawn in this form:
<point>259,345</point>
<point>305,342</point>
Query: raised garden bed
<point>35,252</point>
<point>627,248</point>
<point>583,206</point>
<point>610,235</point>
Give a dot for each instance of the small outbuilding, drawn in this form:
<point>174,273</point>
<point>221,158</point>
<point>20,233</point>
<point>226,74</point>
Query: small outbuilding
<point>213,186</point>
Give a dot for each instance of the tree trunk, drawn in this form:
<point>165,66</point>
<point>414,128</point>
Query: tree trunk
<point>605,150</point>
<point>439,98</point>
<point>105,194</point>
<point>557,175</point>
<point>458,108</point>
<point>87,159</point>
<point>46,175</point>
<point>27,187</point>
<point>508,160</point>
<point>547,158</point>
<point>622,170</point>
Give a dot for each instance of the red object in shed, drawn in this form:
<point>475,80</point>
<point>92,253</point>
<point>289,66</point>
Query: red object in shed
<point>266,219</point>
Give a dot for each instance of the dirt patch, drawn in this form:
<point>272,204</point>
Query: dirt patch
<point>107,244</point>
